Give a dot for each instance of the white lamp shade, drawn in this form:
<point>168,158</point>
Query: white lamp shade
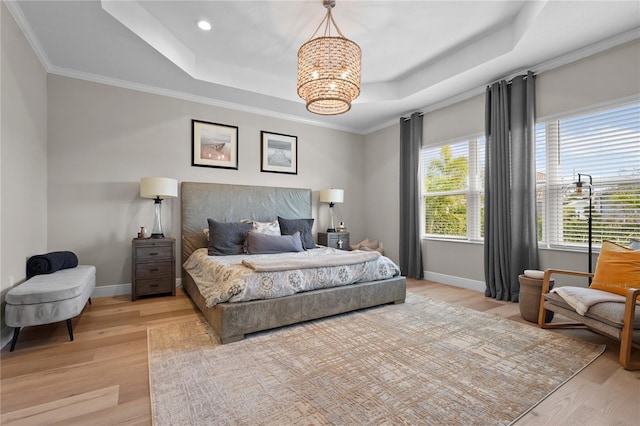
<point>152,187</point>
<point>331,195</point>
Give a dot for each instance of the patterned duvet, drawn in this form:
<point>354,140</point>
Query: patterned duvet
<point>225,278</point>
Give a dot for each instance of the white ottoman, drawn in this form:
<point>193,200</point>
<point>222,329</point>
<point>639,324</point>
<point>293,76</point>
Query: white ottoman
<point>49,298</point>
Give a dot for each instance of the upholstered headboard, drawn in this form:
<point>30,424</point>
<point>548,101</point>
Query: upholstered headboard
<point>233,203</point>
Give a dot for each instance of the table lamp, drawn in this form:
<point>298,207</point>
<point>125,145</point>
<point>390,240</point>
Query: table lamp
<point>158,188</point>
<point>331,196</point>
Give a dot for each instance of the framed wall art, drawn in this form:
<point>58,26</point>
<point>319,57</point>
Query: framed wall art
<point>214,145</point>
<point>278,153</point>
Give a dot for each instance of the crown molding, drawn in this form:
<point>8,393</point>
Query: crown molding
<point>26,29</point>
<point>573,56</point>
<point>552,64</point>
<point>94,78</point>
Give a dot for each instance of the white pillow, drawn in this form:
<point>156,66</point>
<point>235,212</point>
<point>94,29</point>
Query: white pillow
<point>532,273</point>
<point>268,228</point>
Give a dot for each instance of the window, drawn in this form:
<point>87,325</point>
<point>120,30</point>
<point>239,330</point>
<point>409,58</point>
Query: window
<point>452,191</point>
<point>605,145</point>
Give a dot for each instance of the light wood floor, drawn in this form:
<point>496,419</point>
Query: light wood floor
<point>102,377</point>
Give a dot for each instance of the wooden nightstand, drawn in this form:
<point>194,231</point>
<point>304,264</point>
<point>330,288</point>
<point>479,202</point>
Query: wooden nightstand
<point>339,240</point>
<point>153,268</point>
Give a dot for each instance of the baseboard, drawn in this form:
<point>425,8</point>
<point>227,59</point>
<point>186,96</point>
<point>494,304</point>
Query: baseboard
<point>118,289</point>
<point>455,281</point>
<point>111,290</point>
<point>100,291</point>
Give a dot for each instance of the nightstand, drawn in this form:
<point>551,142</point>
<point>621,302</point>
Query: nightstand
<point>339,240</point>
<point>153,268</point>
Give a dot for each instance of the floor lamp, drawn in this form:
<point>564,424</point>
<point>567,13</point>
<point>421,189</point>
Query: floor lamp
<point>580,186</point>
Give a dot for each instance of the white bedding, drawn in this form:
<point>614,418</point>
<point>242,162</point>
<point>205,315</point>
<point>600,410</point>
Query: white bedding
<point>226,279</point>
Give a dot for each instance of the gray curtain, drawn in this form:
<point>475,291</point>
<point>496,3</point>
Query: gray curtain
<point>510,217</point>
<point>410,145</point>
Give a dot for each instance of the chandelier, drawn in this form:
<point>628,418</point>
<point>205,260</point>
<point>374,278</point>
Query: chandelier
<point>329,69</point>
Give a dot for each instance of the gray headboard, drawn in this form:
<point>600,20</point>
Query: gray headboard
<point>233,203</point>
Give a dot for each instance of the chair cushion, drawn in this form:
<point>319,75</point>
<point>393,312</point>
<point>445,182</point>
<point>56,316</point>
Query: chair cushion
<point>61,285</point>
<point>618,269</point>
<point>610,313</point>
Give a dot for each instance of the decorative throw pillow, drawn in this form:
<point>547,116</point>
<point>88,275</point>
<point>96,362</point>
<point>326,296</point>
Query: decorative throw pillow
<point>618,269</point>
<point>227,238</point>
<point>634,244</point>
<point>366,245</point>
<point>269,228</point>
<point>357,246</point>
<point>371,245</point>
<point>291,226</point>
<point>259,243</point>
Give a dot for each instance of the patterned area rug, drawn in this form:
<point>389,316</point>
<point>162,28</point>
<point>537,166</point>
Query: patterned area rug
<point>421,362</point>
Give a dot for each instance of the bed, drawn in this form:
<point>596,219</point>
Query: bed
<point>234,203</point>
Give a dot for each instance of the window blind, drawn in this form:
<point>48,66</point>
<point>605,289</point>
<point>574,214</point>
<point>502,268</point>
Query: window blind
<point>452,191</point>
<point>606,146</point>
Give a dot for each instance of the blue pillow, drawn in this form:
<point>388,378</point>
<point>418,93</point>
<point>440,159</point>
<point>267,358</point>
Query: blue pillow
<point>227,238</point>
<point>291,226</point>
<point>259,243</point>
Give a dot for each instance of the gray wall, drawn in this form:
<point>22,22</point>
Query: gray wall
<point>103,139</point>
<point>23,165</point>
<point>381,186</point>
<point>595,80</point>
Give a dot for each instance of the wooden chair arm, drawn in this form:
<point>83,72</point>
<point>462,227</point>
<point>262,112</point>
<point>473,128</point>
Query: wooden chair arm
<point>549,272</point>
<point>626,334</point>
<point>630,304</point>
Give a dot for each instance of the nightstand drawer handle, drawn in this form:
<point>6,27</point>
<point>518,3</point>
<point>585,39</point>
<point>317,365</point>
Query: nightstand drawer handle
<point>153,269</point>
<point>153,254</point>
<point>155,285</point>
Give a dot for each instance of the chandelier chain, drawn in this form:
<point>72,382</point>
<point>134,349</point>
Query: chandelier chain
<point>327,21</point>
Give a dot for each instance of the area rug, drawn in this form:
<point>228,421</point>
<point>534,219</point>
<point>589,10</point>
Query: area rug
<point>421,362</point>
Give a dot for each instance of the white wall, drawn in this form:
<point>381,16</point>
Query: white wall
<point>103,139</point>
<point>23,169</point>
<point>595,80</point>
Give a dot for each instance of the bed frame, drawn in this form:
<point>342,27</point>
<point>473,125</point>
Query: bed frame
<point>233,203</point>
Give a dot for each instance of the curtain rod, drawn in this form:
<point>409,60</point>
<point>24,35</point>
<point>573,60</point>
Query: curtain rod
<point>420,113</point>
<point>509,79</point>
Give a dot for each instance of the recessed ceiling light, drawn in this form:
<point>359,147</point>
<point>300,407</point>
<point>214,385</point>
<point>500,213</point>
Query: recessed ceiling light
<point>203,25</point>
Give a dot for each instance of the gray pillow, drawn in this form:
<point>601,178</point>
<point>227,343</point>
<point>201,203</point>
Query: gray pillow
<point>259,243</point>
<point>634,244</point>
<point>291,226</point>
<point>227,238</point>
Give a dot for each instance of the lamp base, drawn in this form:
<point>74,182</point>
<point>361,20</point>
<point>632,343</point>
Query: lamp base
<point>331,229</point>
<point>157,222</point>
